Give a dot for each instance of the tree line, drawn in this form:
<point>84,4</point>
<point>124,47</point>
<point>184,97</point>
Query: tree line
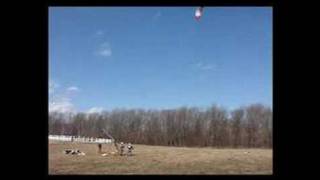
<point>249,126</point>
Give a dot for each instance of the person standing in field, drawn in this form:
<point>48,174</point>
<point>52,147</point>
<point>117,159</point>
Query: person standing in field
<point>100,147</point>
<point>121,148</point>
<point>130,148</point>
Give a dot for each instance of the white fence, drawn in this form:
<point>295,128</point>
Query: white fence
<point>79,139</point>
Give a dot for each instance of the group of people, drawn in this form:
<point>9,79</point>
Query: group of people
<point>129,149</point>
<point>122,148</point>
<point>74,152</point>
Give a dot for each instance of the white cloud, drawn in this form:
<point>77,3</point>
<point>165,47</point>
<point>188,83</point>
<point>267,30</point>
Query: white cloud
<point>52,86</point>
<point>95,110</point>
<point>73,88</point>
<point>99,33</point>
<point>104,50</point>
<point>62,105</point>
<point>203,66</point>
<point>157,15</point>
<point>60,101</point>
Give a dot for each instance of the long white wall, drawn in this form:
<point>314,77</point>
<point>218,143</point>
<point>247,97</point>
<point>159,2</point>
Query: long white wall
<point>79,139</point>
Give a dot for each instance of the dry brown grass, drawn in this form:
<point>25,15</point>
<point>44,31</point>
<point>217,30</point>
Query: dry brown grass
<point>160,160</point>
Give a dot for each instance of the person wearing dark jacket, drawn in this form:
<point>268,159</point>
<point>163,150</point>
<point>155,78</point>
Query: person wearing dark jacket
<point>100,147</point>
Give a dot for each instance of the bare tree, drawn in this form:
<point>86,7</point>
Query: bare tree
<point>237,118</point>
<point>249,126</point>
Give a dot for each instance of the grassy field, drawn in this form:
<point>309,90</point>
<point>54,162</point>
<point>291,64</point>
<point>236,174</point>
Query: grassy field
<point>160,160</point>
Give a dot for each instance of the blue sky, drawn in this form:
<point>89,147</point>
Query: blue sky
<point>159,57</point>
